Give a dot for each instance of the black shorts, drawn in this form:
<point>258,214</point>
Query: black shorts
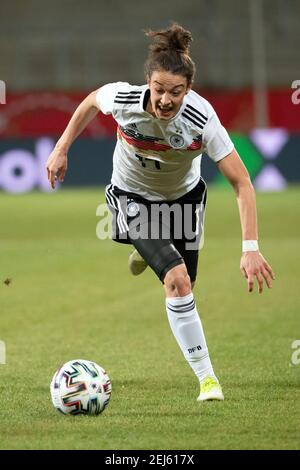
<point>165,233</point>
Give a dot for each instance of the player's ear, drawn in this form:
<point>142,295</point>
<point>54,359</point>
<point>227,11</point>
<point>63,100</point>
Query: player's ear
<point>148,79</point>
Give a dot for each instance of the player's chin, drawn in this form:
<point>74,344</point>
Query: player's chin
<point>164,115</point>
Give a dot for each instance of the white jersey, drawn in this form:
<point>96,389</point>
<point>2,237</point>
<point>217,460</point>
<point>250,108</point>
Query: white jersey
<point>158,159</point>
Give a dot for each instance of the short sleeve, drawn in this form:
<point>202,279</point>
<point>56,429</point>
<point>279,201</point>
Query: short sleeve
<point>105,96</point>
<point>217,143</point>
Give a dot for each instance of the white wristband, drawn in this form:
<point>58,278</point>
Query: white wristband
<point>250,245</point>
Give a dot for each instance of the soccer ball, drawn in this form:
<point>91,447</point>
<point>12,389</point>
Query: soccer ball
<point>80,387</point>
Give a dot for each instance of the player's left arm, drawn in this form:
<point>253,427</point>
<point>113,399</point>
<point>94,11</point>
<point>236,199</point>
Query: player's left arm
<point>253,264</point>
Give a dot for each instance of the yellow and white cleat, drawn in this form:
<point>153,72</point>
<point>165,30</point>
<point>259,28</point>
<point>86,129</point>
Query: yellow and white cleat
<point>136,263</point>
<point>210,389</point>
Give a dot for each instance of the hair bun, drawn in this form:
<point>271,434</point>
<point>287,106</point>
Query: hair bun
<point>175,39</point>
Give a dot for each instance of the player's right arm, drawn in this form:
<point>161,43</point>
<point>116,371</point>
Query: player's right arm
<point>57,162</point>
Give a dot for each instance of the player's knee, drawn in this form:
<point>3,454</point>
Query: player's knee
<point>177,282</point>
<point>183,285</point>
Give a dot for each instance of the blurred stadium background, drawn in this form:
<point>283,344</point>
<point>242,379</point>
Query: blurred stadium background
<point>54,54</point>
<point>64,294</point>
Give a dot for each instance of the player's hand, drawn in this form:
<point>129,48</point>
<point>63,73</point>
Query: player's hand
<point>253,265</point>
<point>57,165</point>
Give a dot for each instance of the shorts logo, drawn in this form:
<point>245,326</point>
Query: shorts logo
<point>176,141</point>
<point>132,209</point>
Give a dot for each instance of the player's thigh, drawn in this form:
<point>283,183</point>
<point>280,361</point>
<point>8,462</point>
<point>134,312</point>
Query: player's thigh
<point>160,254</point>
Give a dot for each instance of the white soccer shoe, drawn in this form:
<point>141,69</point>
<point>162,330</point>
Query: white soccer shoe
<point>210,389</point>
<point>136,263</point>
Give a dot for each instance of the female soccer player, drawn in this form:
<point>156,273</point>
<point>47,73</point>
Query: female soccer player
<point>157,193</point>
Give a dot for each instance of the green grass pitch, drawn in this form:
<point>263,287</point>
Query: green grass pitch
<point>71,296</point>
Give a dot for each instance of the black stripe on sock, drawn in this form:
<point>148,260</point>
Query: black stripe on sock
<point>183,305</point>
<point>183,310</point>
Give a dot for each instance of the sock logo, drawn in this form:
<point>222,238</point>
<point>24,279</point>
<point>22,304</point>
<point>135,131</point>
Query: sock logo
<point>196,348</point>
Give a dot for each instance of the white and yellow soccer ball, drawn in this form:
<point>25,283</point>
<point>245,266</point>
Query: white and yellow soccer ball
<point>80,387</point>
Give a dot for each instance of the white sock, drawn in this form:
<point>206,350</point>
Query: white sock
<point>187,329</point>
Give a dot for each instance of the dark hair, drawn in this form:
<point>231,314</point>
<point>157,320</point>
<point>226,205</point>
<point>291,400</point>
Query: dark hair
<point>170,52</point>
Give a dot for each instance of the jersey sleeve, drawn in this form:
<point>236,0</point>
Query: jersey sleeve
<point>106,95</point>
<point>217,143</point>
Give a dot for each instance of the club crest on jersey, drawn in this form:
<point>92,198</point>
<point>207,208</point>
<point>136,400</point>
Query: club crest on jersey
<point>132,209</point>
<point>176,141</point>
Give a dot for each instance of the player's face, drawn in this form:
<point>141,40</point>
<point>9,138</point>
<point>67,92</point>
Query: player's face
<point>167,91</point>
